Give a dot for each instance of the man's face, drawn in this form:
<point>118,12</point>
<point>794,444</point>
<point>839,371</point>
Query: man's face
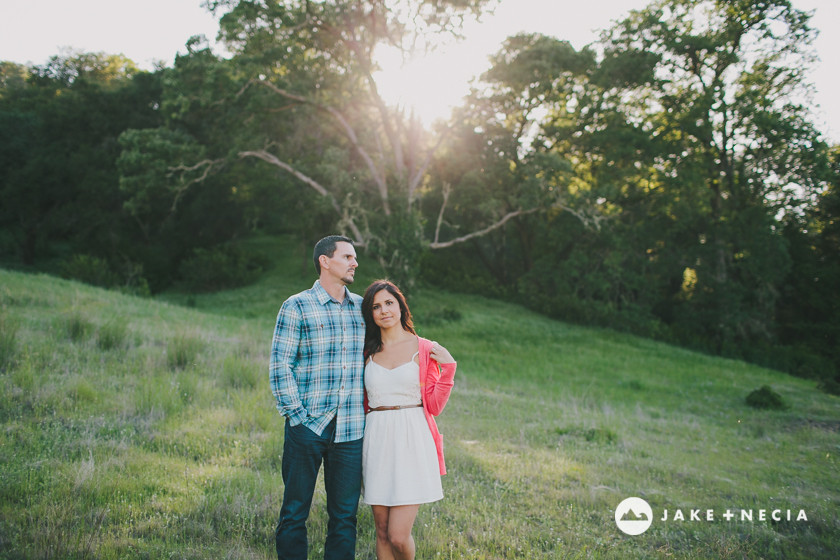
<point>342,265</point>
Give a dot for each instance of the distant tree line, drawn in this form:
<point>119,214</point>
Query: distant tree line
<point>666,180</point>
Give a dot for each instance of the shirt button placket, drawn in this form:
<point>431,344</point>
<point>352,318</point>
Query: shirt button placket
<point>343,353</point>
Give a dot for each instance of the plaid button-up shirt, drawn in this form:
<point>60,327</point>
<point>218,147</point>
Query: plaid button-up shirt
<point>317,368</point>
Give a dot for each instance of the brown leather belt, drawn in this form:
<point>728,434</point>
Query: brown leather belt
<point>381,408</point>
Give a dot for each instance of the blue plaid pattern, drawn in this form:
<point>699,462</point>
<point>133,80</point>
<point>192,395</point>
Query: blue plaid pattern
<point>317,368</point>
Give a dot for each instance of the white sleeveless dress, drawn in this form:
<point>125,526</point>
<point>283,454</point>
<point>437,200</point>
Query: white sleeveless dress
<point>399,458</point>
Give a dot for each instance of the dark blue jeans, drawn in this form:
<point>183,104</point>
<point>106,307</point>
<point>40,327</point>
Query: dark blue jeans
<point>303,452</point>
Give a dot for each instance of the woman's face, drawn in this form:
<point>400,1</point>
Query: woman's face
<point>386,310</point>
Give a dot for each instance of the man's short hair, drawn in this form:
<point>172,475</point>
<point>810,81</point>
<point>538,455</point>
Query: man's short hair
<point>327,246</point>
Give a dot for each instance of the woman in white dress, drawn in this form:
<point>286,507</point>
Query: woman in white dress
<point>408,380</point>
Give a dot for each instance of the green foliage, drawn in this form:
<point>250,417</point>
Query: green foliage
<point>399,249</point>
<point>675,172</point>
<point>90,270</point>
<point>766,398</point>
<point>807,312</point>
<point>148,175</point>
<point>8,340</point>
<point>831,386</point>
<point>57,162</point>
<point>601,436</point>
<point>242,371</point>
<point>12,75</point>
<point>97,271</point>
<point>219,268</point>
<point>532,64</point>
<point>438,316</point>
<point>76,67</point>
<point>112,335</point>
<point>182,351</point>
<point>76,326</point>
<point>184,187</point>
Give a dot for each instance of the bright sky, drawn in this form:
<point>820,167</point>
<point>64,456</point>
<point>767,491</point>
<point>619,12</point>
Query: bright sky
<point>155,30</point>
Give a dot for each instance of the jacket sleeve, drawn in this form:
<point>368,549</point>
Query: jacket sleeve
<point>284,348</point>
<point>440,378</point>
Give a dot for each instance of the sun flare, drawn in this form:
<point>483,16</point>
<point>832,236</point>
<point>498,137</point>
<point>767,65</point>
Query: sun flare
<point>429,86</point>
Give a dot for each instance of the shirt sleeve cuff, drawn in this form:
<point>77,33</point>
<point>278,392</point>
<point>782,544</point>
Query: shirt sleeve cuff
<point>296,416</point>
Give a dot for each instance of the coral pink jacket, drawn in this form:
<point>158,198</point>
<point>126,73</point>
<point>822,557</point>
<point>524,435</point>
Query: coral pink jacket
<point>436,382</point>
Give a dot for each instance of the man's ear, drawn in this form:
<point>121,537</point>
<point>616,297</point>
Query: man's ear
<point>325,261</point>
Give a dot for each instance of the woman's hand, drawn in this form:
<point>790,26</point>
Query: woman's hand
<point>440,354</point>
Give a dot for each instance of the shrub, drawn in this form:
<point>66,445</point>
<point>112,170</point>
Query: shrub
<point>90,270</point>
<point>219,268</point>
<point>182,351</point>
<point>8,341</point>
<point>111,335</point>
<point>77,327</point>
<point>600,435</point>
<point>134,283</point>
<point>603,436</point>
<point>766,398</point>
<point>634,385</point>
<point>831,386</point>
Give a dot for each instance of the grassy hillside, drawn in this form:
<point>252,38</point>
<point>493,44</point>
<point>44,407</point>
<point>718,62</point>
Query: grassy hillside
<point>137,428</point>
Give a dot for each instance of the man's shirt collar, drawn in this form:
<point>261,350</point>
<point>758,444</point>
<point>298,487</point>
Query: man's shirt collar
<point>323,297</point>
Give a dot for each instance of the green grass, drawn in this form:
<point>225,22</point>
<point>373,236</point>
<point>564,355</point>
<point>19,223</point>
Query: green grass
<point>140,428</point>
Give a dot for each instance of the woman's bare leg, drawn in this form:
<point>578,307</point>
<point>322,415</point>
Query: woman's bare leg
<point>393,531</point>
<point>380,521</point>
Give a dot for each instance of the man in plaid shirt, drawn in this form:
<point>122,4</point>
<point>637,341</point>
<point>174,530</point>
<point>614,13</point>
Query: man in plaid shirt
<point>317,377</point>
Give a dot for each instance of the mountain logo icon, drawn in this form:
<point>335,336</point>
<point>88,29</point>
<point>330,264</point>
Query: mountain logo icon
<point>633,516</point>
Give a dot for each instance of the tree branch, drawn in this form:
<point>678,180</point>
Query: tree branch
<point>415,179</point>
<point>399,157</point>
<point>441,245</point>
<point>179,191</point>
<point>378,177</point>
<point>447,190</point>
<point>318,187</point>
<point>588,219</point>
